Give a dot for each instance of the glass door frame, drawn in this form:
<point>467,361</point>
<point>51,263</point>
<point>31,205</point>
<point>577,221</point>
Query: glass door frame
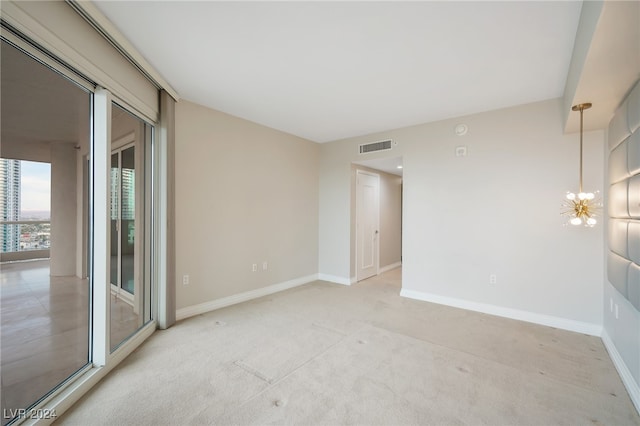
<point>100,358</point>
<point>101,259</point>
<point>29,35</point>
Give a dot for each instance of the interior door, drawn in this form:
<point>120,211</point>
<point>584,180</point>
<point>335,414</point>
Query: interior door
<point>123,222</point>
<point>367,224</point>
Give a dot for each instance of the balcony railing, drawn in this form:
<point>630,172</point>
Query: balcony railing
<point>25,239</point>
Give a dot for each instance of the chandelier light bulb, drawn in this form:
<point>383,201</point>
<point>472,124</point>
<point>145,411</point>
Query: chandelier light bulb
<point>582,195</point>
<point>591,221</point>
<point>590,196</point>
<point>571,196</point>
<point>576,221</point>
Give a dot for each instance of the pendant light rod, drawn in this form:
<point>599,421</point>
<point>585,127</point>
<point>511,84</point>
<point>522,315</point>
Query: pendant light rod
<point>581,108</point>
<point>581,208</point>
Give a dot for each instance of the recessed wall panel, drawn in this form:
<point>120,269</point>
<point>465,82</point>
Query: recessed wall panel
<point>633,285</point>
<point>618,162</point>
<point>617,271</point>
<point>618,230</point>
<point>623,263</point>
<point>619,127</point>
<point>634,197</point>
<point>633,154</point>
<point>618,200</point>
<point>633,108</point>
<point>633,242</point>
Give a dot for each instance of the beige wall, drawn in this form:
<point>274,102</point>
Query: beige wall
<point>82,207</point>
<point>63,209</point>
<point>495,211</point>
<point>390,218</point>
<point>245,194</point>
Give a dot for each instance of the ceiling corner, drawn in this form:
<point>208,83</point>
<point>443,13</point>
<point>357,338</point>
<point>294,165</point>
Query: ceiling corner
<point>605,63</point>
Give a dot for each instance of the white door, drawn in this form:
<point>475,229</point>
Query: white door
<point>367,224</point>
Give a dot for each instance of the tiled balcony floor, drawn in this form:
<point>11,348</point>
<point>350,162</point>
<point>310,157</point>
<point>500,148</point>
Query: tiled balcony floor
<point>44,334</point>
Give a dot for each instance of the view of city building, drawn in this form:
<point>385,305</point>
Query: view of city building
<point>20,236</point>
<point>10,203</point>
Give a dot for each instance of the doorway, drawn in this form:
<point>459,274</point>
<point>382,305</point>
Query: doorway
<point>385,246</point>
<point>367,224</point>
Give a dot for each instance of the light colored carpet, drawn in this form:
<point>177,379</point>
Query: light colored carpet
<point>361,355</point>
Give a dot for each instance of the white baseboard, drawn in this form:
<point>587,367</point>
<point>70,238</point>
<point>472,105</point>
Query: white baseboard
<point>71,392</point>
<point>334,279</point>
<point>625,374</point>
<point>353,280</point>
<point>212,305</point>
<point>548,320</point>
<point>389,267</point>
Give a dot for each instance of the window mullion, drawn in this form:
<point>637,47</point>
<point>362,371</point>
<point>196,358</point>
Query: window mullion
<point>100,274</point>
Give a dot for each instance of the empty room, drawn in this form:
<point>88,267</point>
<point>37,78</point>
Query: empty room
<point>307,213</point>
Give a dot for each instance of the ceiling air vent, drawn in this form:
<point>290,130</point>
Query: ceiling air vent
<point>375,146</point>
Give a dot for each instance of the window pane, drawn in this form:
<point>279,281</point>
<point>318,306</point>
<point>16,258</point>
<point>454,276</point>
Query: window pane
<point>44,301</point>
<point>128,218</point>
<point>130,280</point>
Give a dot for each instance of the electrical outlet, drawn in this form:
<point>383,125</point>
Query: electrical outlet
<point>254,267</point>
<point>185,280</point>
<point>265,265</point>
<point>493,279</point>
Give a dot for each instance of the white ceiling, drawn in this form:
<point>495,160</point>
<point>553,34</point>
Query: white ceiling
<point>331,70</point>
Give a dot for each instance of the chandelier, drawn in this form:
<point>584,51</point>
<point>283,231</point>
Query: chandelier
<point>581,208</point>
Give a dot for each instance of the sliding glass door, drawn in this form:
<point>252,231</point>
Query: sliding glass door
<point>129,183</point>
<point>75,284</point>
<point>45,292</point>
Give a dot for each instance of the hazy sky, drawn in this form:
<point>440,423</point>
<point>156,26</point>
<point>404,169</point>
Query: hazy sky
<point>35,186</point>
